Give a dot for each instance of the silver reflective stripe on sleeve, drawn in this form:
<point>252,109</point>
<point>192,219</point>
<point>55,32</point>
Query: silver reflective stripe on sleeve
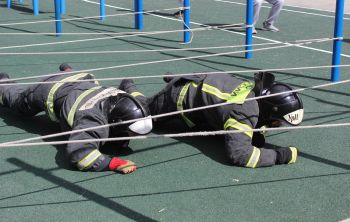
<point>73,110</point>
<point>111,91</point>
<point>179,104</point>
<point>53,90</point>
<point>294,155</point>
<point>254,158</point>
<point>240,126</point>
<point>88,159</point>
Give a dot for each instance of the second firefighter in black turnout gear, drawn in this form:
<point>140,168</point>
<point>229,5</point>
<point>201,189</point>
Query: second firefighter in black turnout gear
<point>81,105</point>
<point>245,149</point>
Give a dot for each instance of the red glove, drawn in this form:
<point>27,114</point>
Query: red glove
<point>122,166</point>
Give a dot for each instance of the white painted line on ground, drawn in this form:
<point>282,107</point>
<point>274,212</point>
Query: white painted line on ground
<point>316,9</point>
<point>128,9</point>
<point>288,10</point>
<point>243,34</point>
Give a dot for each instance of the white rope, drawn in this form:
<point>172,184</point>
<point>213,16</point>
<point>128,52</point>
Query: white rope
<point>135,51</point>
<point>179,75</point>
<point>153,62</point>
<point>163,61</point>
<point>188,30</point>
<point>175,135</point>
<point>173,113</point>
<point>164,50</point>
<point>85,18</point>
<point>122,35</point>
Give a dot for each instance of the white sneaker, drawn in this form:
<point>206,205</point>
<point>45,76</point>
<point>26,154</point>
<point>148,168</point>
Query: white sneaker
<point>270,27</point>
<point>254,31</point>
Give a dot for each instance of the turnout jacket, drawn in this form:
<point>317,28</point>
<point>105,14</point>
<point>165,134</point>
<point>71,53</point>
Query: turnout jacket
<point>200,90</point>
<point>75,105</point>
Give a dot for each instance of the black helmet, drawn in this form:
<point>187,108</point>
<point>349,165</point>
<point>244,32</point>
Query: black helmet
<point>287,107</point>
<point>125,107</point>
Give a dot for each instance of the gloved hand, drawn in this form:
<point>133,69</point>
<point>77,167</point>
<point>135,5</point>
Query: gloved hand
<point>286,155</point>
<point>122,166</point>
<point>258,139</point>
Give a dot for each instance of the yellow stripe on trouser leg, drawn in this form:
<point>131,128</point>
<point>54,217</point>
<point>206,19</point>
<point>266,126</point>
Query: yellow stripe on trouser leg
<point>254,158</point>
<point>89,159</point>
<point>179,104</point>
<point>294,155</point>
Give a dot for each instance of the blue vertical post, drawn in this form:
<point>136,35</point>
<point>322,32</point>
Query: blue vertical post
<point>139,14</point>
<point>8,3</point>
<point>63,7</point>
<point>187,34</point>
<point>58,17</point>
<point>249,29</point>
<point>36,7</point>
<point>102,10</point>
<point>337,44</point>
<point>21,1</point>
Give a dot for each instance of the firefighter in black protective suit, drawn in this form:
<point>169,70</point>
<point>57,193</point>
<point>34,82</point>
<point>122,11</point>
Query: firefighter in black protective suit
<point>243,149</point>
<point>79,105</point>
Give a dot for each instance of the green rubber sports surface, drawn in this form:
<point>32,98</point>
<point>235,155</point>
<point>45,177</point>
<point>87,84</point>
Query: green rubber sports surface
<point>178,179</point>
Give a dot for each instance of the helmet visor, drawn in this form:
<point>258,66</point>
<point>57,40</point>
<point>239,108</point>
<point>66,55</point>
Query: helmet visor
<point>141,127</point>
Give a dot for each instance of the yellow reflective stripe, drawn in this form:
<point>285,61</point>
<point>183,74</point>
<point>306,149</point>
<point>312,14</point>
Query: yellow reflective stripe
<point>1,101</point>
<point>240,126</point>
<point>134,94</point>
<point>180,102</point>
<point>239,94</point>
<point>294,155</point>
<point>55,87</point>
<point>89,159</point>
<point>194,84</point>
<point>73,110</point>
<point>215,91</point>
<point>254,158</point>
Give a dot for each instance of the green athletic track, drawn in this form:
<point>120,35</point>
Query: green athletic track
<point>187,179</point>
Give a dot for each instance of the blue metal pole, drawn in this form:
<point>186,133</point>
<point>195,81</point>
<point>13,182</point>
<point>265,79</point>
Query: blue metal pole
<point>36,7</point>
<point>63,7</point>
<point>102,10</point>
<point>139,14</point>
<point>187,34</point>
<point>337,44</point>
<point>21,1</point>
<point>249,29</point>
<point>58,17</point>
<point>8,3</point>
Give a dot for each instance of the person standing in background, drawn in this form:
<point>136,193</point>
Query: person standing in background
<point>268,24</point>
